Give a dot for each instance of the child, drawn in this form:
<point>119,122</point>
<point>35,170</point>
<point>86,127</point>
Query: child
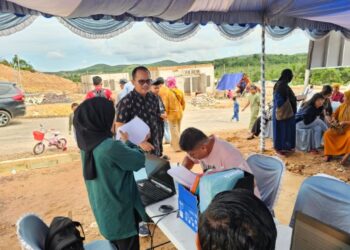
<point>71,116</point>
<point>235,109</point>
<point>254,102</point>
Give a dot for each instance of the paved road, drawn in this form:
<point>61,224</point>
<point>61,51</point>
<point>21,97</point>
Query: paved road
<point>18,138</point>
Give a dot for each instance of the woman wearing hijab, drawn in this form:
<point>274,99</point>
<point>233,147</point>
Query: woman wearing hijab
<point>176,106</point>
<point>284,101</point>
<point>108,167</point>
<point>337,142</point>
<point>309,118</point>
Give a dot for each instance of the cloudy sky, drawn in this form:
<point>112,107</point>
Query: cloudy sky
<point>49,46</point>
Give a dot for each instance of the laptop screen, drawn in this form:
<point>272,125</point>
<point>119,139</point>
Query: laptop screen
<point>156,169</point>
<point>309,233</point>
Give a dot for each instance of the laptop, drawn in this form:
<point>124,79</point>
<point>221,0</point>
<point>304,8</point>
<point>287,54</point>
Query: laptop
<point>158,185</point>
<point>310,233</point>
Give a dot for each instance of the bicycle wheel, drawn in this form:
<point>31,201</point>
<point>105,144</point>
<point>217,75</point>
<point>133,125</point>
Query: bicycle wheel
<point>61,144</point>
<point>39,148</point>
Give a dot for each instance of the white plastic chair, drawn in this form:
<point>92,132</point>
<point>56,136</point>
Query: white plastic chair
<point>335,105</point>
<point>304,139</point>
<point>32,231</point>
<point>268,172</point>
<point>325,198</point>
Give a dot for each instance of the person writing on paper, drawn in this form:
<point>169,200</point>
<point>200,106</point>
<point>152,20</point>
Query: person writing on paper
<point>142,103</point>
<point>108,167</point>
<point>211,152</point>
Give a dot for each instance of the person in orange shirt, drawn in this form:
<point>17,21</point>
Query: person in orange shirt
<point>174,102</point>
<point>163,93</point>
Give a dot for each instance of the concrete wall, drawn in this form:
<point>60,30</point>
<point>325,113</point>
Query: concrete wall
<point>189,78</point>
<point>110,81</point>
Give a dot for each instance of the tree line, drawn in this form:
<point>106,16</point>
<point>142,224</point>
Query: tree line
<point>275,64</point>
<point>249,64</point>
<point>18,63</point>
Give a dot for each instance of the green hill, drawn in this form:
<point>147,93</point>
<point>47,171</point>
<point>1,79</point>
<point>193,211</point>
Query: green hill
<point>249,64</point>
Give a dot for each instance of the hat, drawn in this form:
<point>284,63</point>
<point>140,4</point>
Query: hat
<point>158,81</point>
<point>123,81</point>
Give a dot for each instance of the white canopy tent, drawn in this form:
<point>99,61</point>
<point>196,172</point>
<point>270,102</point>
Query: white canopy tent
<point>179,19</point>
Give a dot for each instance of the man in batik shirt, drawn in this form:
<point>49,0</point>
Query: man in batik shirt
<point>142,103</point>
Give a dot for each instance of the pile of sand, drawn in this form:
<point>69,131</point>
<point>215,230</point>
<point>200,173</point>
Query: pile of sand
<point>38,82</point>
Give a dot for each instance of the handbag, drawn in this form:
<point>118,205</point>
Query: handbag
<point>337,128</point>
<point>285,111</point>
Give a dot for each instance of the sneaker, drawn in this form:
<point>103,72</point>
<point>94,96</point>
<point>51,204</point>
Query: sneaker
<point>143,230</point>
<point>250,137</point>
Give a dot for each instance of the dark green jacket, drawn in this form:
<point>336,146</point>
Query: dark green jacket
<point>113,195</point>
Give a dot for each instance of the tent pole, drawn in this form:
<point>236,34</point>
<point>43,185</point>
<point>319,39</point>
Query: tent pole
<point>263,90</point>
<point>308,64</point>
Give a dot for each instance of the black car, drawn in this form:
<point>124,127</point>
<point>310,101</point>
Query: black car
<point>11,103</point>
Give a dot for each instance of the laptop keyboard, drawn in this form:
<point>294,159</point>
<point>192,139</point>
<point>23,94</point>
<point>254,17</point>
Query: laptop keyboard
<point>151,193</point>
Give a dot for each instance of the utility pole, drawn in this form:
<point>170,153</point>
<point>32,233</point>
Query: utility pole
<point>19,73</point>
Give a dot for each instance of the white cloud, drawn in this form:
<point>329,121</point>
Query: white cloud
<point>138,45</point>
<point>55,55</point>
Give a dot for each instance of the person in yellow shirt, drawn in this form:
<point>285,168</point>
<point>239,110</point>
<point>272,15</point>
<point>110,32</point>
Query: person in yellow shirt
<point>174,103</point>
<point>163,93</point>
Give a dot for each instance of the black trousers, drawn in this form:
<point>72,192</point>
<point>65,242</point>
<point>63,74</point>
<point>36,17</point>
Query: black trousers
<point>131,243</point>
<point>256,127</point>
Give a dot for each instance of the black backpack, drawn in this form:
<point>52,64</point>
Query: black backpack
<point>64,235</point>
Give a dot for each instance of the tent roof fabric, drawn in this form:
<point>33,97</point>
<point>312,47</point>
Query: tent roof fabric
<point>315,14</point>
<point>229,81</point>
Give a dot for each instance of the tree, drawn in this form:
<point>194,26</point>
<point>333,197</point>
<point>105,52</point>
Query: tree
<point>21,64</point>
<point>5,62</point>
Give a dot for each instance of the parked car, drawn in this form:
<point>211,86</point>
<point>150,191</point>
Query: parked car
<point>11,103</point>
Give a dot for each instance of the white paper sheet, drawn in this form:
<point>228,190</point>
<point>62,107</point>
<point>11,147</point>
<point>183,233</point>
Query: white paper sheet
<point>183,176</point>
<point>136,129</point>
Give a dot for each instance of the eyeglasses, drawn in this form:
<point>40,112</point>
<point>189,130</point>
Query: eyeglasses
<point>143,82</point>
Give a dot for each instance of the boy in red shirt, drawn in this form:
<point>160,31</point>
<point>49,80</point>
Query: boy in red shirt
<point>99,91</point>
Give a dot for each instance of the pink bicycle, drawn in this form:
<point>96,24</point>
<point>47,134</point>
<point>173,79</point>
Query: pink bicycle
<point>51,137</point>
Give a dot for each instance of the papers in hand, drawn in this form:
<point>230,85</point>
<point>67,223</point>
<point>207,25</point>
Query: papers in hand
<point>183,176</point>
<point>137,130</point>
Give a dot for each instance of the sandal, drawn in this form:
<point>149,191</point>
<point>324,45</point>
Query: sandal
<point>344,161</point>
<point>327,158</point>
<point>250,137</point>
<point>314,151</point>
<point>281,153</point>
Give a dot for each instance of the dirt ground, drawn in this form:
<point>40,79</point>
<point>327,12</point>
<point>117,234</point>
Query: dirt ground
<point>60,190</point>
<point>34,82</point>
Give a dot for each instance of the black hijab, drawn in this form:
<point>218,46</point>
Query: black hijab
<point>93,120</point>
<point>282,88</point>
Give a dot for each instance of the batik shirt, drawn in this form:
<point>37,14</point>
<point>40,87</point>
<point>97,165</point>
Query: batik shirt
<point>147,109</point>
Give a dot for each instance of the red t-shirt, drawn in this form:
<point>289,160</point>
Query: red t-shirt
<point>106,92</point>
<point>337,97</point>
